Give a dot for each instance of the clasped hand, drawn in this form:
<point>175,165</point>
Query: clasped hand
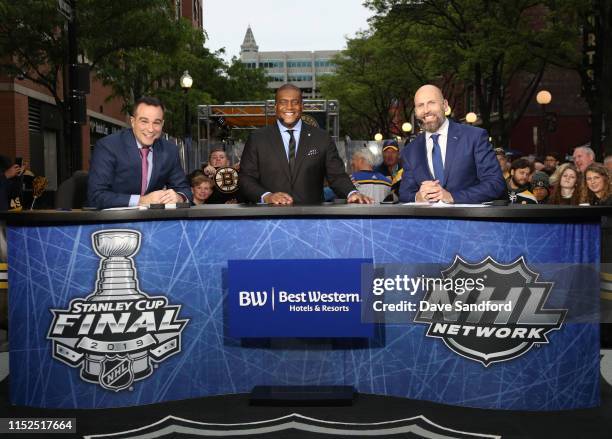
<point>432,191</point>
<point>164,196</point>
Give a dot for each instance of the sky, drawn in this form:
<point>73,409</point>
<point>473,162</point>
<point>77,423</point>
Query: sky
<point>283,25</point>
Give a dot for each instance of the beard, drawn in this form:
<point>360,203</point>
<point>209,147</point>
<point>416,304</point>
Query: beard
<point>519,184</point>
<point>433,125</point>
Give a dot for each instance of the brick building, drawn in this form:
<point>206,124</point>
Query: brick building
<point>32,124</point>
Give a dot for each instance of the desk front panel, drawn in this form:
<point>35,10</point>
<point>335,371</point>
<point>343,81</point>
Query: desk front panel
<point>185,352</point>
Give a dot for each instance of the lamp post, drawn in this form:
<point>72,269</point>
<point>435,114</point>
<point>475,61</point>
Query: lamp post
<point>543,98</point>
<point>471,117</point>
<point>378,137</point>
<point>186,82</point>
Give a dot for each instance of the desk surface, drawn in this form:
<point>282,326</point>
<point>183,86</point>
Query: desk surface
<point>533,213</point>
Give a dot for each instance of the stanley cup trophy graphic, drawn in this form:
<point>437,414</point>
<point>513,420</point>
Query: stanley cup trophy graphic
<point>116,275</point>
<point>117,281</point>
<point>117,331</point>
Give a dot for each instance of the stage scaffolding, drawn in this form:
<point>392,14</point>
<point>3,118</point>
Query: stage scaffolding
<point>216,123</point>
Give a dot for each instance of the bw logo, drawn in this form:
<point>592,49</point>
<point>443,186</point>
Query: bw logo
<point>116,333</point>
<point>492,336</point>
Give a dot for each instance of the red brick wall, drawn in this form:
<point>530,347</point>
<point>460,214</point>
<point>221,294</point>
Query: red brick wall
<point>14,125</point>
<point>571,131</point>
<point>96,101</point>
<point>187,12</point>
<point>14,116</point>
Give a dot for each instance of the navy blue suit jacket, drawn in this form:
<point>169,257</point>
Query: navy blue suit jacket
<point>115,170</point>
<point>471,171</point>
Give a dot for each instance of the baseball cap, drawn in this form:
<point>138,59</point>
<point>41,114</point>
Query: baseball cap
<point>390,143</point>
<point>540,179</point>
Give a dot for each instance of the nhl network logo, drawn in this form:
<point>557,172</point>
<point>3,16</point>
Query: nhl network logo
<point>513,320</point>
<point>116,333</point>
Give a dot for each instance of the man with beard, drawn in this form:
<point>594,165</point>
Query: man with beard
<point>519,189</point>
<point>448,162</point>
<point>551,162</point>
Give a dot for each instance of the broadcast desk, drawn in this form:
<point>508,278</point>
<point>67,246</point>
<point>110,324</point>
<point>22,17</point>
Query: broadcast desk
<point>175,262</point>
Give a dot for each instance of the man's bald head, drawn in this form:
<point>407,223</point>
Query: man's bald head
<point>429,107</point>
<point>429,89</point>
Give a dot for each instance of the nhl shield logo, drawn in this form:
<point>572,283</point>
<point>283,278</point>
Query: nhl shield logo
<point>501,321</point>
<point>117,372</point>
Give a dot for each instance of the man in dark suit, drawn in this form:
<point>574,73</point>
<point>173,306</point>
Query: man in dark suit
<point>120,161</point>
<point>448,162</point>
<point>286,162</point>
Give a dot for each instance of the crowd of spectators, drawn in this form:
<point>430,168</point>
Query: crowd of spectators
<point>530,180</point>
<point>582,181</point>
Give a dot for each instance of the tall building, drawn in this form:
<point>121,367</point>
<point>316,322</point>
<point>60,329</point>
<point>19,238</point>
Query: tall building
<point>300,68</point>
<point>191,10</point>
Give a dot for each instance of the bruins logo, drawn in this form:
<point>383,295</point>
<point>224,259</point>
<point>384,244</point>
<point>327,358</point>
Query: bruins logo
<point>308,119</point>
<point>226,180</point>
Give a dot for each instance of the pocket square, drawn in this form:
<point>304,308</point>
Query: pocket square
<point>313,152</point>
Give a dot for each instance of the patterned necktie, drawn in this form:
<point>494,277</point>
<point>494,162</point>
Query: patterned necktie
<point>436,159</point>
<point>144,153</point>
<point>291,150</point>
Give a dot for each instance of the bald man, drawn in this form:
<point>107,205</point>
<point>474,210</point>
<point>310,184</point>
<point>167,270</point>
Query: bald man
<point>448,162</point>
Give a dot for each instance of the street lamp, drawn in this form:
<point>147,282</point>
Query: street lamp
<point>406,129</point>
<point>378,137</point>
<point>448,111</point>
<point>471,117</point>
<point>186,82</point>
<point>543,98</point>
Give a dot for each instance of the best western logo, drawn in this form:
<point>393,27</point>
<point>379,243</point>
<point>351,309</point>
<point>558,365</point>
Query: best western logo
<point>116,332</point>
<point>252,298</point>
<point>500,322</point>
<point>261,298</point>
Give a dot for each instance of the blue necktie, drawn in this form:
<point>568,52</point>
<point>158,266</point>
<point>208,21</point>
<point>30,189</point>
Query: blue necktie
<point>436,159</point>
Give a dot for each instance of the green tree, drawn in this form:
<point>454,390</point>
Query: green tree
<point>487,45</point>
<point>371,80</point>
<point>34,44</point>
<point>593,62</point>
<point>136,47</point>
<point>245,84</point>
